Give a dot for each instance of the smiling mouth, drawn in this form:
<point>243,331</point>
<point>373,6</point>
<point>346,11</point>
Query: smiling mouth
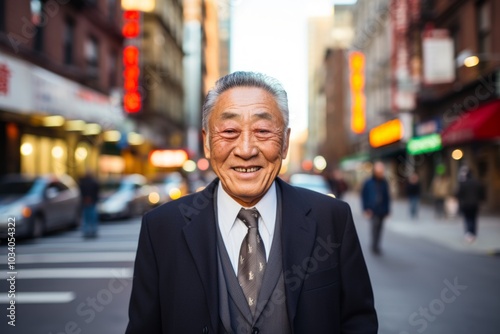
<point>246,170</point>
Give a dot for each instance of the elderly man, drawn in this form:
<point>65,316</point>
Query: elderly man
<point>250,253</point>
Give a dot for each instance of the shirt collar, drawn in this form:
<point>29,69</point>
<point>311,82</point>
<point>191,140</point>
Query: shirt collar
<point>228,209</point>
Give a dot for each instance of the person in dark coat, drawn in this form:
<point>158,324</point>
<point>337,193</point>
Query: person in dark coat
<point>470,194</point>
<point>413,193</point>
<point>376,201</point>
<point>337,183</point>
<point>89,190</point>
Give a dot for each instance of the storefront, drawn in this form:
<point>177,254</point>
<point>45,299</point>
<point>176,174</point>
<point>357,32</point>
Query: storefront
<point>49,124</point>
<point>388,144</point>
<point>473,140</point>
<point>425,151</point>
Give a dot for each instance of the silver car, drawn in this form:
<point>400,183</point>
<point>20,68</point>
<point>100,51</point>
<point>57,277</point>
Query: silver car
<point>125,197</point>
<point>38,204</point>
<point>312,182</point>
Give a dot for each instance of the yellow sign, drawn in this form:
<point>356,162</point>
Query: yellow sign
<point>357,85</point>
<point>168,158</point>
<point>141,5</point>
<point>386,133</point>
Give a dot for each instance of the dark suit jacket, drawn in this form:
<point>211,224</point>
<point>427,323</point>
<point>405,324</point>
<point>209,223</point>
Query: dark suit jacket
<point>175,286</point>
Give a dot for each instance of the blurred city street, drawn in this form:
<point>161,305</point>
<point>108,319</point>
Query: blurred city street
<point>106,111</point>
<point>66,283</point>
<point>423,257</point>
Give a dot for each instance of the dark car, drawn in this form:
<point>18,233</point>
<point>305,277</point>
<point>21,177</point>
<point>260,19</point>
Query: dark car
<point>125,197</point>
<point>38,204</point>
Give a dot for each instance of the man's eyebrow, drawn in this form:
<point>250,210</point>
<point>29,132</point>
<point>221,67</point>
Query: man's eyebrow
<point>261,115</point>
<point>264,115</point>
<point>229,115</point>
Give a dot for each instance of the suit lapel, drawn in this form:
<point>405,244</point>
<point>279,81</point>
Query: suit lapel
<point>298,236</point>
<point>200,234</point>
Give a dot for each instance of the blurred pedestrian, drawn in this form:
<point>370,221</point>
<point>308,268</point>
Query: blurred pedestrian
<point>223,263</point>
<point>470,194</point>
<point>376,200</point>
<point>337,183</point>
<point>89,189</point>
<point>440,191</point>
<point>413,193</point>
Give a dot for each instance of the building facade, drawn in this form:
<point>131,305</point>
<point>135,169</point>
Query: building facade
<point>464,110</point>
<point>328,128</point>
<point>162,119</point>
<point>60,64</point>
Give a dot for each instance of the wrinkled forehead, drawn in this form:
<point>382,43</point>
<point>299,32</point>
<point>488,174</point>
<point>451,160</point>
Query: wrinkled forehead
<point>246,104</point>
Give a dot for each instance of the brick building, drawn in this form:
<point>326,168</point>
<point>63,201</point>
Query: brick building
<point>60,67</point>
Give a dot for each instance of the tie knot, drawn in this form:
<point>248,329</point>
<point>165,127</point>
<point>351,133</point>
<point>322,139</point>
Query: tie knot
<point>249,217</point>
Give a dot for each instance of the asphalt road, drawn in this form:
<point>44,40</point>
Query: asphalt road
<point>423,287</point>
<point>66,284</point>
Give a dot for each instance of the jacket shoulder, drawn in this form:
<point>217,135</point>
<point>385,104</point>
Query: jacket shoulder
<point>176,212</point>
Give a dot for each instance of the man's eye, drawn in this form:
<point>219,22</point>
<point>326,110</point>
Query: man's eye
<point>263,132</point>
<point>229,133</point>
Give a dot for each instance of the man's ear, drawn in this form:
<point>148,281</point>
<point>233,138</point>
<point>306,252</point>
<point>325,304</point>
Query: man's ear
<point>286,144</point>
<point>206,144</point>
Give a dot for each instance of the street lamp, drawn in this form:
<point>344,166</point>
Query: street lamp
<point>469,59</point>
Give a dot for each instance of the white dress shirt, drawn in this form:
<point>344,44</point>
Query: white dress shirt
<point>233,230</point>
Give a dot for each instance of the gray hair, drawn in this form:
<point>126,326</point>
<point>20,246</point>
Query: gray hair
<point>246,79</point>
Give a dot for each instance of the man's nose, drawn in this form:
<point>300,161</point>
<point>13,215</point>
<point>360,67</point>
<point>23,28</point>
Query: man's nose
<point>246,147</point>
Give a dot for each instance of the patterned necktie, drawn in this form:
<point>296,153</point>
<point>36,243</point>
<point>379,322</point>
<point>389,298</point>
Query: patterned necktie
<point>252,260</point>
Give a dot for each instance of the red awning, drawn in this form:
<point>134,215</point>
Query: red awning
<point>480,124</point>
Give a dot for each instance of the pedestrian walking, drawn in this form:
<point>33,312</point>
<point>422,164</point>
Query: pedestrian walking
<point>221,260</point>
<point>413,193</point>
<point>376,200</point>
<point>89,189</point>
<point>470,194</point>
<point>337,183</point>
<point>440,191</point>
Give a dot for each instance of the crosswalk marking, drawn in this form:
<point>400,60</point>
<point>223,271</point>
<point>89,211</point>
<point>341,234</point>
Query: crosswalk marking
<point>89,244</point>
<point>76,257</point>
<point>40,297</point>
<point>46,273</point>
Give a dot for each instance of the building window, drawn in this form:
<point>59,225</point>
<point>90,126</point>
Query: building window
<point>91,51</point>
<point>113,59</point>
<point>484,26</point>
<point>69,35</point>
<point>2,15</point>
<point>37,18</point>
<point>111,9</point>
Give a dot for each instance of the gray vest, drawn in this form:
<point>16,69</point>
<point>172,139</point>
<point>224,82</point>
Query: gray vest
<point>271,316</point>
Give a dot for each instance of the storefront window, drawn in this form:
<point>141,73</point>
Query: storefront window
<point>43,155</point>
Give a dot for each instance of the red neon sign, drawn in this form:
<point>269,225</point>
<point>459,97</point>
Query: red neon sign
<point>132,99</point>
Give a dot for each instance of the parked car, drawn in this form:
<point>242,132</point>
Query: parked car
<point>125,197</point>
<point>312,182</point>
<point>170,186</point>
<point>38,204</point>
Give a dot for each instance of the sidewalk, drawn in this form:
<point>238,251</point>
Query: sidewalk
<point>448,232</point>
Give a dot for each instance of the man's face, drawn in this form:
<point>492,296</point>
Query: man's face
<point>379,170</point>
<point>246,142</point>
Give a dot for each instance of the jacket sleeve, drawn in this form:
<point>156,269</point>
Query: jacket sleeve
<point>144,309</point>
<point>364,197</point>
<point>358,315</point>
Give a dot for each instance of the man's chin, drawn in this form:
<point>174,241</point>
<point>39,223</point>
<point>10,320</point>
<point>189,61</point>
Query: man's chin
<point>247,194</point>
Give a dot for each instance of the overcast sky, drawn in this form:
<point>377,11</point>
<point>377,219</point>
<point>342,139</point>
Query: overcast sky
<point>271,37</point>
